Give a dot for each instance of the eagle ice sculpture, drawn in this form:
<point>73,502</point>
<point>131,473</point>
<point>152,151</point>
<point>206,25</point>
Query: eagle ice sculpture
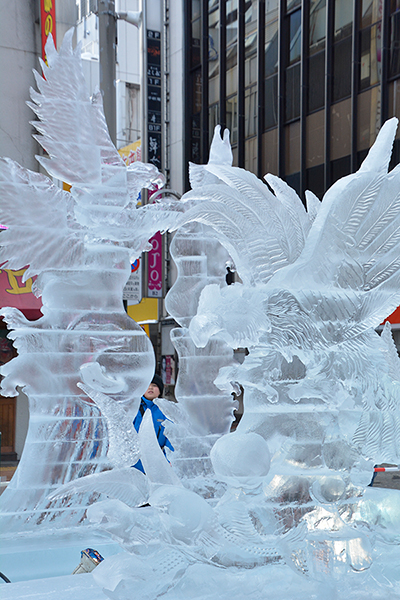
<point>295,518</point>
<point>80,246</point>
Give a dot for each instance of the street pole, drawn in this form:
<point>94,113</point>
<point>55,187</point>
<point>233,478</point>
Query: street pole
<point>143,80</point>
<point>108,43</point>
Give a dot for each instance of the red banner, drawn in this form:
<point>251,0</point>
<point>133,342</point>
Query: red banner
<point>394,318</point>
<point>47,22</point>
<point>19,295</point>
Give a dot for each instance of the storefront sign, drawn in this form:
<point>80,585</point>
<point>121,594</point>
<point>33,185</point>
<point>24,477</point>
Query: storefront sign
<point>154,269</point>
<point>18,294</point>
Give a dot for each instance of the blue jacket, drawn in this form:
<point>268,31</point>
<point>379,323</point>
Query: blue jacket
<point>158,418</point>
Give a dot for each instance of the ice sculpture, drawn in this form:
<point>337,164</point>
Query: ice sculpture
<point>288,509</point>
<point>282,509</point>
<point>80,245</point>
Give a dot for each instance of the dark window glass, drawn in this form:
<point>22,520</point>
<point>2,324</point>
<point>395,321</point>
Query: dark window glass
<point>394,5</point>
<point>341,70</point>
<point>294,36</point>
<point>293,181</point>
<point>195,8</point>
<point>343,19</point>
<point>315,180</point>
<point>316,82</point>
<point>395,160</point>
<point>271,49</point>
<point>292,97</point>
<point>317,25</point>
<point>370,53</point>
<point>340,168</point>
<point>290,4</point>
<point>271,102</point>
<point>371,12</point>
<point>195,43</point>
<point>394,68</point>
<point>361,156</point>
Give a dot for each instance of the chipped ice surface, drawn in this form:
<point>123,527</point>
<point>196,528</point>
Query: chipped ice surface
<point>278,509</point>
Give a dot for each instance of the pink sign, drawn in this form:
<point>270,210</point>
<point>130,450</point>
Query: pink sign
<point>154,271</point>
<point>13,292</point>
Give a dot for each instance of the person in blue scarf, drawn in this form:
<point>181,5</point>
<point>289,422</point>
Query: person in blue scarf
<point>154,390</point>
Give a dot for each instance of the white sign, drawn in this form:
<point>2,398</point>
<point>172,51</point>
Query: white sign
<point>133,289</point>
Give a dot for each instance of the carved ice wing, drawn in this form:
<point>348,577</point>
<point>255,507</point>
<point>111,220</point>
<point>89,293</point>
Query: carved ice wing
<point>72,127</point>
<point>263,232</point>
<point>349,269</point>
<point>128,485</point>
<point>39,217</point>
<point>123,448</point>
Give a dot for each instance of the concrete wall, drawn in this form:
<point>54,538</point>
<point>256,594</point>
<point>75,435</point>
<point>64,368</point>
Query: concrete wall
<point>19,52</point>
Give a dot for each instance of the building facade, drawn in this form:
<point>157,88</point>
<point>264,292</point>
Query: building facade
<point>303,85</point>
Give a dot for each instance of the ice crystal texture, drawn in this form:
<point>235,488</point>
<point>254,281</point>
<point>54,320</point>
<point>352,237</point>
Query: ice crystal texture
<point>278,509</point>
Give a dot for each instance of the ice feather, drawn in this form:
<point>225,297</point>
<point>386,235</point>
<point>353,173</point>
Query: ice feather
<point>129,485</point>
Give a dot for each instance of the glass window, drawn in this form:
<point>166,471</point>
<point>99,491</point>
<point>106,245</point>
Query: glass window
<point>271,48</point>
<point>368,117</point>
<point>293,181</point>
<point>270,152</point>
<point>371,12</point>
<point>394,68</point>
<point>315,139</point>
<point>195,8</point>
<point>292,96</point>
<point>250,155</point>
<point>195,43</point>
<point>370,54</point>
<point>394,5</point>
<point>271,102</point>
<point>213,55</point>
<point>250,16</point>
<point>213,120</point>
<point>292,148</point>
<point>231,118</point>
<point>317,25</point>
<point>340,168</point>
<point>294,36</point>
<point>316,82</point>
<point>231,21</point>
<point>315,180</point>
<point>341,129</point>
<point>250,65</point>
<point>394,101</point>
<point>343,18</point>
<point>341,70</point>
<point>290,4</point>
<point>250,111</point>
<point>271,11</point>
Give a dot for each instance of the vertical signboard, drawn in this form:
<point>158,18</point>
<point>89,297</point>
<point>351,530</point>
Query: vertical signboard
<point>154,267</point>
<point>154,103</point>
<point>47,23</point>
<point>154,152</point>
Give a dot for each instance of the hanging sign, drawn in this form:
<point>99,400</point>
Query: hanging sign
<point>154,267</point>
<point>47,23</point>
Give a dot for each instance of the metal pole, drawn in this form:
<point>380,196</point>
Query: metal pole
<point>143,80</point>
<point>108,43</point>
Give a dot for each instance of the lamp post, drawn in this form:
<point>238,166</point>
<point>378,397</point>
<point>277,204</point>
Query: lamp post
<point>108,45</point>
